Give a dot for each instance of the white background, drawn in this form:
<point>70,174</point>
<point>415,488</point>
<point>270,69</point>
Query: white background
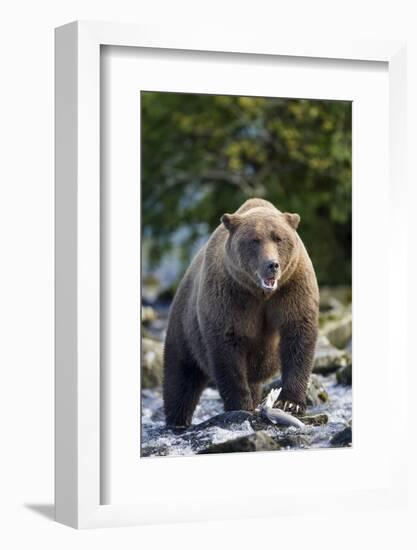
<point>26,300</point>
<point>125,477</point>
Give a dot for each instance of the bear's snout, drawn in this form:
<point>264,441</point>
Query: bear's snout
<point>272,266</point>
<point>269,274</point>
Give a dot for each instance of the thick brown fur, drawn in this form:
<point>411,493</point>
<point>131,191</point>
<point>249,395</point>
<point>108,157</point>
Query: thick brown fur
<point>224,326</point>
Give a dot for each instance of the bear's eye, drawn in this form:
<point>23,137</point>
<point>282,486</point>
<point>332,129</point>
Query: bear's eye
<point>276,238</point>
<point>255,240</point>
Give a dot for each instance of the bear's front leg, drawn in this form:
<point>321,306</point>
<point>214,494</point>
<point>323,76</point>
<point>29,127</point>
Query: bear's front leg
<point>230,369</point>
<point>297,346</point>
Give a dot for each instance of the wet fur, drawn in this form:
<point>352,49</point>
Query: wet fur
<point>223,327</point>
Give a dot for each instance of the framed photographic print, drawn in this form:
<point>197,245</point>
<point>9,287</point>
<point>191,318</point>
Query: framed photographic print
<point>218,274</point>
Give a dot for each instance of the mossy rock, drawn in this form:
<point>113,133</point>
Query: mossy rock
<point>314,419</point>
<point>152,363</point>
<point>338,331</point>
<point>316,393</point>
<point>148,315</point>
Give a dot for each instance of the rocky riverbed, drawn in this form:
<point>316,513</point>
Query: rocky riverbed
<point>327,422</point>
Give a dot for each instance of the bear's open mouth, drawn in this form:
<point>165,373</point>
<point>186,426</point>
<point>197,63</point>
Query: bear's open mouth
<point>270,283</point>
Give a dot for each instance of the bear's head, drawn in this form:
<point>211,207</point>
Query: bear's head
<point>261,244</point>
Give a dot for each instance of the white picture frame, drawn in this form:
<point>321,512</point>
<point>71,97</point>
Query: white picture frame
<point>78,405</point>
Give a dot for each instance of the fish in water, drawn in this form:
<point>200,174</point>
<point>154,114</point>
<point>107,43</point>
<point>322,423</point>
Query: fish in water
<point>277,416</point>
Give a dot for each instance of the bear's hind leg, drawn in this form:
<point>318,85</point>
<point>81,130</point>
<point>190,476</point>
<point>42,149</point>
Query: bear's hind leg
<point>183,384</point>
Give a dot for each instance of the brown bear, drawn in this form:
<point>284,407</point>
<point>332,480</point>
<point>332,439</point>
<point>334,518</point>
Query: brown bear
<point>246,306</point>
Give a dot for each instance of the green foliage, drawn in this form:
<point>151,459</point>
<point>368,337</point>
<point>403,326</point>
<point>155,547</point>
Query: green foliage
<point>203,155</point>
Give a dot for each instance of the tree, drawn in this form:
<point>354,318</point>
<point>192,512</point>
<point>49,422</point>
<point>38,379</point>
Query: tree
<point>203,155</point>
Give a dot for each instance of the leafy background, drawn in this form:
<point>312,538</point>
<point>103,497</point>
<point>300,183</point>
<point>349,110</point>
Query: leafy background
<point>203,155</point>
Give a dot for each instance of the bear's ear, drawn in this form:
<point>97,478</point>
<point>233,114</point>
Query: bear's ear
<point>292,219</point>
<point>230,221</point>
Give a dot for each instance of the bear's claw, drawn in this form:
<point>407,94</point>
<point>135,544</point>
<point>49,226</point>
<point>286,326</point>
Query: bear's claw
<point>290,406</point>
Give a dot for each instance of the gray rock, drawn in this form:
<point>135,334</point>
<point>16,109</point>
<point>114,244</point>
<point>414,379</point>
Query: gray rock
<point>228,419</point>
<point>152,363</point>
<point>339,331</point>
<point>154,450</point>
<point>231,419</point>
<point>259,441</point>
<point>342,438</point>
<point>344,375</point>
<point>327,358</point>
